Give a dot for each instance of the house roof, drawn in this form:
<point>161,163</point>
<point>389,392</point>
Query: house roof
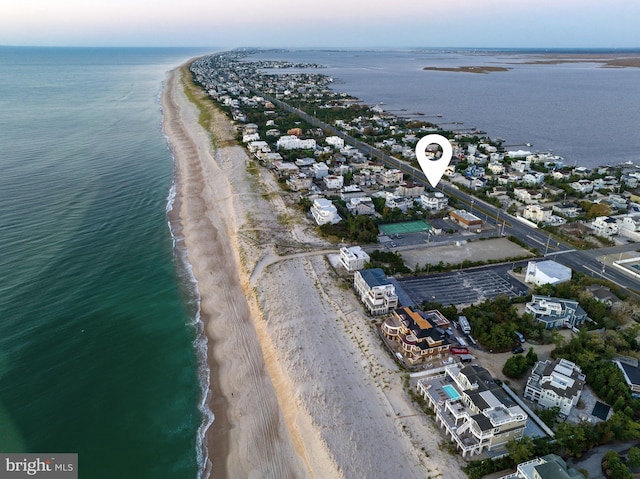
<point>632,373</point>
<point>374,277</point>
<point>551,470</point>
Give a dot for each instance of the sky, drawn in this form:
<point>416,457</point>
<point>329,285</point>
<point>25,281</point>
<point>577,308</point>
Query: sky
<point>326,23</point>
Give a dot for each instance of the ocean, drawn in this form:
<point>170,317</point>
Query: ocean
<point>99,339</point>
<point>580,111</point>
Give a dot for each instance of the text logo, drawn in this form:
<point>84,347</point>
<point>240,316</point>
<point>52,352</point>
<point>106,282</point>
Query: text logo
<point>44,466</point>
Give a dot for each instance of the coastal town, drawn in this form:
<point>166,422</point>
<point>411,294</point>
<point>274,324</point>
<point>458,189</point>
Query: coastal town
<point>507,296</point>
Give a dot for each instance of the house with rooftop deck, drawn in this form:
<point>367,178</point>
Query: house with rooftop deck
<point>550,466</point>
<point>324,212</point>
<point>353,258</point>
<point>556,312</point>
<point>475,413</point>
<point>556,383</point>
<point>376,292</point>
<point>420,335</point>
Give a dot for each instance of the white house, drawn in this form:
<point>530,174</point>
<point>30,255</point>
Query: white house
<point>472,409</point>
<point>351,191</point>
<point>390,177</point>
<point>567,209</point>
<point>547,272</point>
<point>299,182</point>
<point>335,141</point>
<point>376,292</point>
<point>533,178</point>
<point>249,137</point>
<point>630,223</point>
<point>324,212</point>
<point>605,226</point>
<point>582,186</point>
<point>556,312</point>
<point>409,189</point>
<point>333,182</point>
<point>285,169</point>
<point>496,168</point>
<point>521,166</point>
<point>527,196</point>
<point>537,213</point>
<point>292,142</point>
<point>361,206</point>
<point>434,201</point>
<point>556,383</point>
<point>353,258</point>
<point>400,202</point>
<point>258,146</point>
<point>320,169</point>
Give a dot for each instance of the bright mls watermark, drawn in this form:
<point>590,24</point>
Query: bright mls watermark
<point>434,168</point>
<point>47,466</point>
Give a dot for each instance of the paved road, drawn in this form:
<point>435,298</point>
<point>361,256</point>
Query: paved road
<point>583,261</point>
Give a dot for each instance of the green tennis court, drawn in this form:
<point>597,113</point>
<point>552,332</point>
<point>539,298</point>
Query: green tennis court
<point>406,227</point>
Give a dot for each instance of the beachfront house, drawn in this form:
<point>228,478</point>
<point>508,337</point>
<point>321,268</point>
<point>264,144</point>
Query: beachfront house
<point>324,212</point>
<point>353,258</point>
<point>555,383</point>
<point>377,293</point>
<point>420,335</point>
<point>550,466</point>
<point>473,410</point>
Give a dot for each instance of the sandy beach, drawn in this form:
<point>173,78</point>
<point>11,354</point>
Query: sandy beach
<point>300,384</point>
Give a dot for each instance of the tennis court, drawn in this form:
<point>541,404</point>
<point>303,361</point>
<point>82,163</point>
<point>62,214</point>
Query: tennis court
<point>405,227</point>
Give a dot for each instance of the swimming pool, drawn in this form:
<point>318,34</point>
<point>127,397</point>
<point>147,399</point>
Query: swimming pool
<point>451,391</point>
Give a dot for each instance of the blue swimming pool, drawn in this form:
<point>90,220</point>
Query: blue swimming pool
<point>451,391</point>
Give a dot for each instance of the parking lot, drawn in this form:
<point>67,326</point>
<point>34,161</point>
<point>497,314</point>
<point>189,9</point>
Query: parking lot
<point>463,287</point>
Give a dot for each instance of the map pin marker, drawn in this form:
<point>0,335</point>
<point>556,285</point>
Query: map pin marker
<point>434,169</point>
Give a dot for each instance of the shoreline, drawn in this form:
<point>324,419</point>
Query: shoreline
<point>205,212</point>
<point>299,383</point>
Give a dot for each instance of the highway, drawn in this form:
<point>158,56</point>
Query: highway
<point>584,261</point>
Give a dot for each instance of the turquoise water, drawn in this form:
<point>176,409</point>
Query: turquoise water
<point>451,391</point>
<point>98,331</point>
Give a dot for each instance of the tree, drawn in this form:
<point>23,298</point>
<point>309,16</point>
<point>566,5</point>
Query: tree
<point>549,416</point>
<point>633,457</point>
<point>515,366</point>
<point>532,357</point>
<point>614,468</point>
<point>522,450</point>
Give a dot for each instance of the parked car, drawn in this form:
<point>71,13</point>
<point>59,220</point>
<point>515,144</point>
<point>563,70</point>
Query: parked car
<point>518,350</point>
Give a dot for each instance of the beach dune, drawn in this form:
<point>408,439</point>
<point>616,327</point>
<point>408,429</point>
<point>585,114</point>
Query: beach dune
<point>300,385</point>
